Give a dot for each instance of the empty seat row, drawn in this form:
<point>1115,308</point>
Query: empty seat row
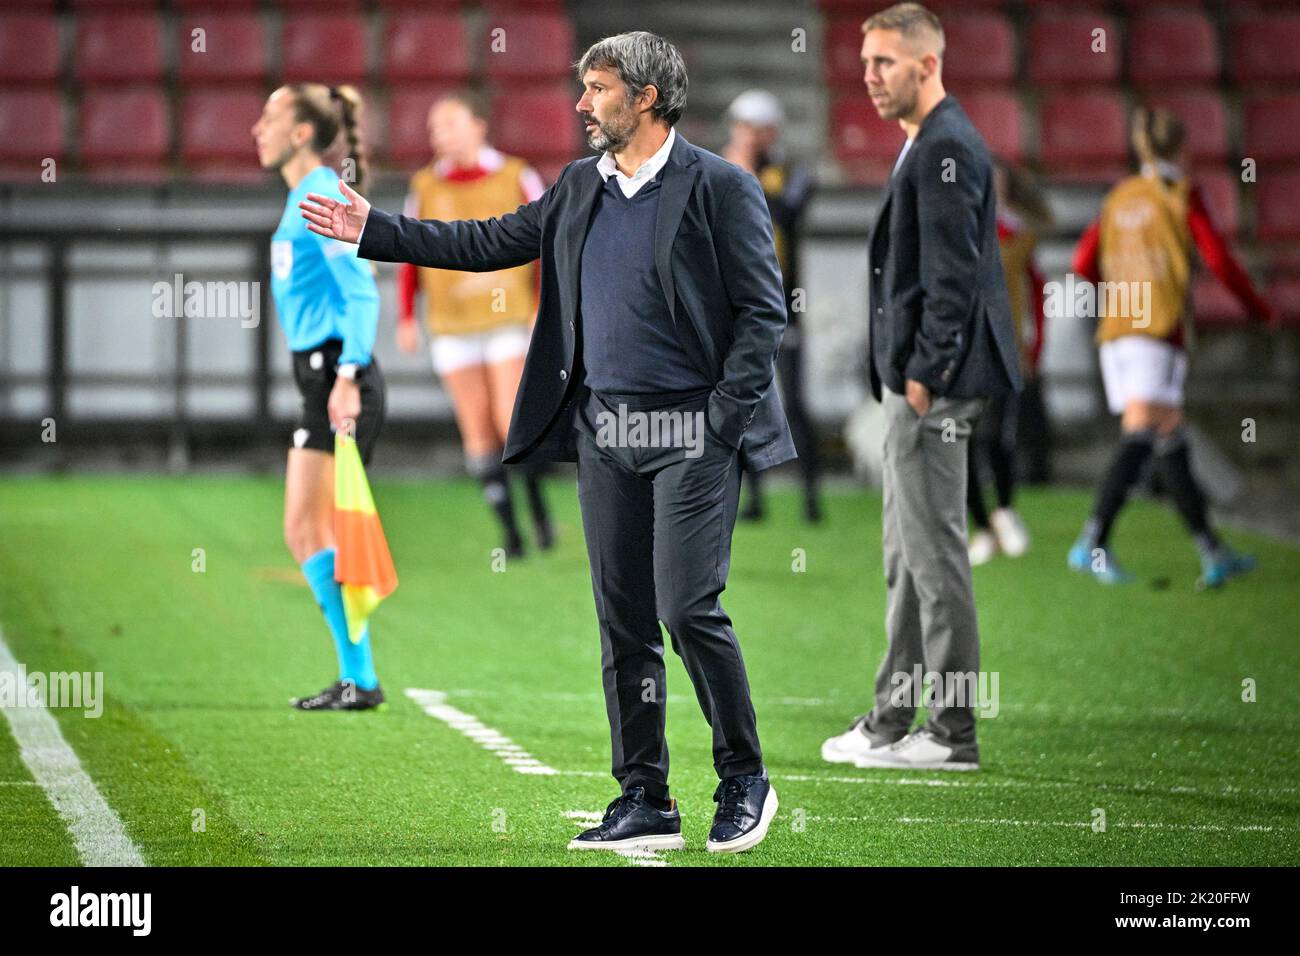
<point>216,47</point>
<point>1164,46</point>
<point>1087,130</point>
<point>213,126</point>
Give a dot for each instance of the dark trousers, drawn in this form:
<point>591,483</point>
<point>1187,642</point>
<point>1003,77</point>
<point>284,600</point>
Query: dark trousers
<point>658,524</point>
<point>789,374</point>
<point>994,440</point>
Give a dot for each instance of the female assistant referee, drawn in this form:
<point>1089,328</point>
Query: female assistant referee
<point>329,308</point>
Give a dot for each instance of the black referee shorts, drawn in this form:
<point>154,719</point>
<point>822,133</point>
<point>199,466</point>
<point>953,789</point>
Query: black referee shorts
<point>314,372</point>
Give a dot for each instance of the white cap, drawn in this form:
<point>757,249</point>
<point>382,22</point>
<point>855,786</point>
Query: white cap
<point>758,108</point>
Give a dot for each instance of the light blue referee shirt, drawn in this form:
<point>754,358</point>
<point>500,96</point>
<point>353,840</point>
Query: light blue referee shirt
<point>321,289</point>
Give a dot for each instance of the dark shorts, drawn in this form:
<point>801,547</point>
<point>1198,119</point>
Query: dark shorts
<point>314,372</point>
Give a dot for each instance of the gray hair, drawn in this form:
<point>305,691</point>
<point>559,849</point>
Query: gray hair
<point>642,59</point>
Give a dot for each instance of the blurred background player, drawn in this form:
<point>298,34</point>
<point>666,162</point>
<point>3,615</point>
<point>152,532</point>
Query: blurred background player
<point>479,322</point>
<point>1145,233</point>
<point>1022,213</point>
<point>756,118</point>
<point>329,308</point>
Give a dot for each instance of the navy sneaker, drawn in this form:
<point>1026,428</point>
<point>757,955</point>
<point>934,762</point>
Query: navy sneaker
<point>342,695</point>
<point>631,823</point>
<point>746,806</point>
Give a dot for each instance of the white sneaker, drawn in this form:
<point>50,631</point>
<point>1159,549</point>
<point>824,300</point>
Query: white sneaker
<point>850,745</point>
<point>920,751</point>
<point>1013,539</point>
<point>982,549</point>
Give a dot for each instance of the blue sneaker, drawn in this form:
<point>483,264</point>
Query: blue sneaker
<point>1097,562</point>
<point>1221,564</point>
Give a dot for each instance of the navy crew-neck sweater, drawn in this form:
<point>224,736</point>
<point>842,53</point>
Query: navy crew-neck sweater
<point>630,345</point>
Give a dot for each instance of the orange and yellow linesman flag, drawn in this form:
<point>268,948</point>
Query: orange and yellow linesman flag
<point>363,565</point>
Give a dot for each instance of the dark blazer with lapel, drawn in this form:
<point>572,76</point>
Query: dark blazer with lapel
<point>716,261</point>
<point>940,312</point>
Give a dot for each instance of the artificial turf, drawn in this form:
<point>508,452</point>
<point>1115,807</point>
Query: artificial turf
<point>1124,700</point>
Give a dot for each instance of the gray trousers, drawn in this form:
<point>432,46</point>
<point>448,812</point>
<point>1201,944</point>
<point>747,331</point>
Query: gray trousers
<point>930,613</point>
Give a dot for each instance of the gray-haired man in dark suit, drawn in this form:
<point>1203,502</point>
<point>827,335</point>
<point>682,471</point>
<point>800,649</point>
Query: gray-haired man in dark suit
<point>661,300</point>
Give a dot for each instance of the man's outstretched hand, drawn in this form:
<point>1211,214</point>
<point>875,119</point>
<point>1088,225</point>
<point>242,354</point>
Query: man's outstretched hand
<point>335,219</point>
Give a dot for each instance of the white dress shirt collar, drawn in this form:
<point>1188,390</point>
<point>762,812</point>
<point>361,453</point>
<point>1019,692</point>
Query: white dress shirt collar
<point>645,172</point>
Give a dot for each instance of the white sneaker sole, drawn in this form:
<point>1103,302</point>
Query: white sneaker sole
<point>666,841</point>
<point>882,763</point>
<point>835,754</point>
<point>832,753</point>
<point>755,836</point>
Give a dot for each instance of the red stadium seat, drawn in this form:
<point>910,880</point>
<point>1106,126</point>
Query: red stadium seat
<point>1084,135</point>
<point>1060,48</point>
<point>997,115</point>
<point>1214,307</point>
<point>1173,46</point>
<point>842,56</point>
<point>1284,295</point>
<point>234,48</point>
<point>408,125</point>
<point>216,125</point>
<point>423,4</point>
<point>536,123</point>
<point>323,6</point>
<point>29,49</point>
<point>329,48</point>
<point>31,126</point>
<point>1203,114</point>
<point>125,133</point>
<point>1263,49</point>
<point>425,46</point>
<point>1277,204</point>
<point>1271,129</point>
<point>1221,192</point>
<point>119,47</point>
<point>865,145</point>
<point>535,45</point>
<point>942,8</point>
<point>979,48</point>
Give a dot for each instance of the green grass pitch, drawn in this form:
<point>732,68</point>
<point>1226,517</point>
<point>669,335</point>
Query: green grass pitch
<point>1125,701</point>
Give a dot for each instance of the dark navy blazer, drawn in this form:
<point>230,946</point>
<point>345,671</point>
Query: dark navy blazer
<point>940,312</point>
<point>715,258</point>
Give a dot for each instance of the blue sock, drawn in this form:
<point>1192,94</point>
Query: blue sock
<point>355,662</point>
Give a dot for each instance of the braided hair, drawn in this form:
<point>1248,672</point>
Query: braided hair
<point>334,113</point>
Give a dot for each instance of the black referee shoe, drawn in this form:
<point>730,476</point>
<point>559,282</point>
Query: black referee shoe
<point>342,695</point>
<point>746,806</point>
<point>630,823</point>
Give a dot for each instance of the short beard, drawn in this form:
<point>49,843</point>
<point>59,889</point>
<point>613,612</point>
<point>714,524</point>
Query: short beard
<point>900,107</point>
<point>614,134</point>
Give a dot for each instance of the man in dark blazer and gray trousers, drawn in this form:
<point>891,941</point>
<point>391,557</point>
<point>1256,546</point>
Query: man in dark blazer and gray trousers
<point>660,296</point>
<point>942,342</point>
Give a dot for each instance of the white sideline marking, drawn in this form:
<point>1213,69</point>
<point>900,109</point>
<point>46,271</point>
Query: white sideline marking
<point>570,697</point>
<point>1076,824</point>
<point>96,830</point>
<point>589,819</point>
<point>434,703</point>
<point>946,780</point>
<point>848,704</point>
